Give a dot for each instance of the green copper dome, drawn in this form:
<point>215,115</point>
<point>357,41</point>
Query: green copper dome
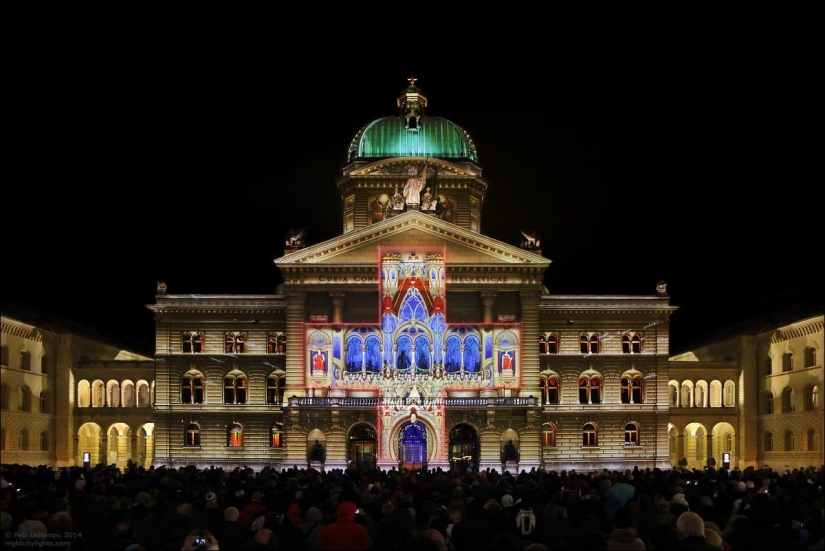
<point>434,137</point>
<point>412,134</point>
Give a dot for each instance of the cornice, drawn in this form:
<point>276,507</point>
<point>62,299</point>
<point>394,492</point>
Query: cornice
<point>595,310</point>
<point>371,168</point>
<point>15,328</point>
<point>326,251</point>
<point>211,310</point>
<point>803,329</point>
<point>219,304</point>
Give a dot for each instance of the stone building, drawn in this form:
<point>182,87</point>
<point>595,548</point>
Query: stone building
<point>412,339</point>
<point>754,392</point>
<point>65,390</point>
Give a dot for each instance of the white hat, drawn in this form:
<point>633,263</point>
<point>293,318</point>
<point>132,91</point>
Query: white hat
<point>679,499</point>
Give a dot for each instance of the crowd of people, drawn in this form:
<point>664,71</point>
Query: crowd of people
<point>168,509</point>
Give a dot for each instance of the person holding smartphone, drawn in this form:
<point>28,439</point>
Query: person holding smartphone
<point>200,540</point>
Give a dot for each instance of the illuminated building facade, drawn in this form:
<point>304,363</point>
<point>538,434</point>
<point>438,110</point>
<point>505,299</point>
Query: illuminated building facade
<point>65,390</point>
<point>412,339</point>
<point>754,392</point>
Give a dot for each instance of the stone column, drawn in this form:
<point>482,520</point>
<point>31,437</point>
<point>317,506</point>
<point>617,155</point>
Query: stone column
<point>709,448</point>
<point>337,306</point>
<point>296,367</point>
<point>530,365</point>
<point>488,300</point>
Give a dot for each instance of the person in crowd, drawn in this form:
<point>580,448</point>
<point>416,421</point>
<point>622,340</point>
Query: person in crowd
<point>345,533</point>
<point>690,533</point>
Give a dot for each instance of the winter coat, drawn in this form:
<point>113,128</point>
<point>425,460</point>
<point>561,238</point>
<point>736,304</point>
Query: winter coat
<point>525,523</point>
<point>345,533</point>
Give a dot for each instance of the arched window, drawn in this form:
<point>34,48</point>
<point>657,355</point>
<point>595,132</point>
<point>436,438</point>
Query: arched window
<point>787,400</point>
<point>590,343</point>
<point>810,440</point>
<point>113,394</point>
<point>810,356</point>
<point>452,357</point>
<point>372,354</point>
<point>787,362</point>
<point>274,390</point>
<point>23,440</point>
<point>631,434</point>
<point>632,343</point>
<point>4,396</point>
<point>275,435</point>
<point>699,395</point>
<point>589,435</point>
<point>234,388</point>
<point>632,389</point>
<point>769,403</point>
<point>192,342</point>
<point>275,343</point>
<point>730,394</point>
<point>44,441</point>
<point>143,394</point>
<point>192,389</point>
<point>790,441</point>
<point>25,361</point>
<point>549,343</point>
<point>686,399</point>
<point>674,395</point>
<point>589,389</point>
<point>769,366</point>
<point>815,397</point>
<point>235,342</point>
<point>127,389</point>
<point>44,402</point>
<point>768,442</point>
<point>192,435</point>
<point>549,389</point>
<point>235,435</point>
<point>548,435</point>
<point>25,399</point>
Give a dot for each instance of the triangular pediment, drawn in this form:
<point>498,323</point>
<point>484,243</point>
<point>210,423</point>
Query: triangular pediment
<point>412,232</point>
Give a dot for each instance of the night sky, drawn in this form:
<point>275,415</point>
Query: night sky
<point>635,162</point>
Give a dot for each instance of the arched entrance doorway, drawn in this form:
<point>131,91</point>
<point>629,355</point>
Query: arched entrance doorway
<point>412,446</point>
<point>464,448</point>
<point>361,447</point>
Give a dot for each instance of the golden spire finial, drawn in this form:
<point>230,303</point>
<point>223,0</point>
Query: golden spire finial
<point>412,80</point>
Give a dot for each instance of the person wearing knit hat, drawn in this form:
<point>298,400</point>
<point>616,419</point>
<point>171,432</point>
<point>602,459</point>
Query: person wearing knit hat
<point>143,499</point>
<point>679,501</point>
<point>507,501</point>
<point>258,523</point>
<point>312,527</point>
<point>345,532</point>
<point>211,500</point>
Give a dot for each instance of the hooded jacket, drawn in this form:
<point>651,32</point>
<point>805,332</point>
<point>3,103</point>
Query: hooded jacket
<point>345,534</point>
<point>525,522</point>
